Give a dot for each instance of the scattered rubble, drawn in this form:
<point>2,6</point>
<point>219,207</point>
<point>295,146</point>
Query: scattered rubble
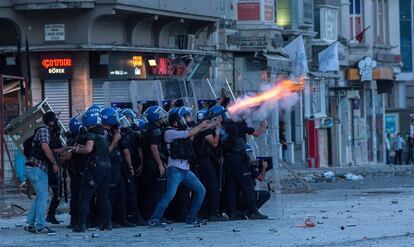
<point>353,177</point>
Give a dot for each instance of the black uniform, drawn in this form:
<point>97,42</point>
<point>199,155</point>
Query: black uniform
<point>237,165</point>
<point>154,184</point>
<point>97,179</point>
<point>54,179</point>
<point>134,141</point>
<point>76,169</point>
<point>117,186</point>
<point>207,161</point>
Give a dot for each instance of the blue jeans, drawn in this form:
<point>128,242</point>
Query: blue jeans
<point>175,177</point>
<point>39,180</point>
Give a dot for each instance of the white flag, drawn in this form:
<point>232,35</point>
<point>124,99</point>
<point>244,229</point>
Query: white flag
<point>297,54</point>
<point>328,58</point>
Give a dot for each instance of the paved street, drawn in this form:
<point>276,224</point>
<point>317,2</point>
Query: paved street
<point>372,212</point>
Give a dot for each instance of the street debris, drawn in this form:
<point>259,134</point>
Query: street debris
<point>342,227</point>
<point>351,225</point>
<point>236,229</point>
<point>353,177</point>
<point>394,202</point>
<point>273,230</point>
<point>95,235</point>
<point>329,174</point>
<point>309,223</point>
<point>137,235</point>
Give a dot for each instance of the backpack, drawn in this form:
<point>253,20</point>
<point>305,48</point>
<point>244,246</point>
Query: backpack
<point>29,146</point>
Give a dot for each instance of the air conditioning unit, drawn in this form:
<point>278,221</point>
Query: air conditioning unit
<point>187,41</point>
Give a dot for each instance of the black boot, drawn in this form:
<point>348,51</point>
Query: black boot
<point>106,227</point>
<point>256,215</point>
<point>52,219</point>
<point>80,228</point>
<point>217,217</point>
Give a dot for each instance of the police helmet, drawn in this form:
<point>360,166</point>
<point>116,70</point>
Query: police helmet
<point>184,111</point>
<point>202,114</point>
<point>75,125</point>
<point>91,118</point>
<point>141,124</point>
<point>218,109</point>
<point>123,121</point>
<point>109,116</point>
<point>174,117</point>
<point>174,110</point>
<point>130,114</point>
<point>94,108</point>
<point>156,114</point>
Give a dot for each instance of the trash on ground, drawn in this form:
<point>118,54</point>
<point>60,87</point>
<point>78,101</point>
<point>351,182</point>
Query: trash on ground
<point>342,227</point>
<point>329,174</point>
<point>273,230</point>
<point>236,229</point>
<point>95,235</point>
<point>353,177</point>
<point>394,202</point>
<point>351,225</point>
<point>309,223</point>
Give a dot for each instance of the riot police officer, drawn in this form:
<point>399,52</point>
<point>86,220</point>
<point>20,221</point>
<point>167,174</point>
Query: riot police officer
<point>236,163</point>
<point>76,166</point>
<point>154,160</point>
<point>111,122</point>
<point>208,152</point>
<point>97,174</point>
<point>133,137</point>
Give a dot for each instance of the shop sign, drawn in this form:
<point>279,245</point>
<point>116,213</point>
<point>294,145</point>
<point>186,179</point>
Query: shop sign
<point>391,123</point>
<point>124,65</point>
<point>248,10</point>
<point>54,32</point>
<point>56,66</point>
<point>366,66</point>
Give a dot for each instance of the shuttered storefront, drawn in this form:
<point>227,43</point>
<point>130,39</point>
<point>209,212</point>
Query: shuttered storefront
<point>116,92</point>
<point>98,95</point>
<point>58,96</point>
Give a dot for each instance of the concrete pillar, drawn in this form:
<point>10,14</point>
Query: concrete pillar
<point>81,84</point>
<point>299,128</point>
<point>374,122</point>
<point>344,20</point>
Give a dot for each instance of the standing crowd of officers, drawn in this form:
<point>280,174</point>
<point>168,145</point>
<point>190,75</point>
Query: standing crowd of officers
<point>164,167</point>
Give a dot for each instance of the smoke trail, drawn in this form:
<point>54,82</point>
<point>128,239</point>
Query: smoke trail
<point>282,94</point>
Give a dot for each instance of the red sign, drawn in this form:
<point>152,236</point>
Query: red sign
<point>56,62</point>
<point>248,11</point>
<point>56,66</point>
<point>268,12</point>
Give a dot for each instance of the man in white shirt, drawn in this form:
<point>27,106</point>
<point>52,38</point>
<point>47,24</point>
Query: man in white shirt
<point>178,142</point>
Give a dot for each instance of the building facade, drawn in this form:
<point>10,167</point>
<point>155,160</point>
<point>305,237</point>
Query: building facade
<point>125,53</point>
<point>98,51</point>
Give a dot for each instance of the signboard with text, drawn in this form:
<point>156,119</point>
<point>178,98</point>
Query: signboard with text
<point>54,32</point>
<point>56,66</point>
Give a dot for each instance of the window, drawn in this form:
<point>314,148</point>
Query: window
<point>355,18</point>
<point>406,36</point>
<point>381,17</point>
